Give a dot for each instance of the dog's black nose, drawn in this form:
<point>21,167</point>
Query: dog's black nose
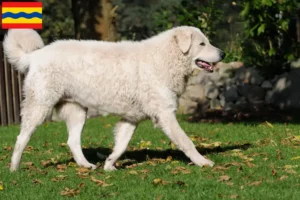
<point>222,54</point>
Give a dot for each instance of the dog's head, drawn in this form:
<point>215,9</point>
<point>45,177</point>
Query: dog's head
<point>193,43</point>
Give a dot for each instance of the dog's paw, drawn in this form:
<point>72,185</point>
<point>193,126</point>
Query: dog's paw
<point>205,163</point>
<point>208,163</point>
<point>89,165</point>
<point>109,168</point>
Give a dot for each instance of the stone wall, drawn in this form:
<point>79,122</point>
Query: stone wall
<point>234,86</point>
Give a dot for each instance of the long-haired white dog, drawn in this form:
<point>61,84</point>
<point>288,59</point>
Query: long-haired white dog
<point>135,80</point>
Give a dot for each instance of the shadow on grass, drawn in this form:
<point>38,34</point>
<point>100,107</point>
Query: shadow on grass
<point>251,115</point>
<point>139,156</point>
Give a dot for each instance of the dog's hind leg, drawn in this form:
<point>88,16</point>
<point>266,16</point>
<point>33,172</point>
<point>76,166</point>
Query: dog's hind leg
<point>75,116</point>
<point>33,115</point>
<point>123,133</point>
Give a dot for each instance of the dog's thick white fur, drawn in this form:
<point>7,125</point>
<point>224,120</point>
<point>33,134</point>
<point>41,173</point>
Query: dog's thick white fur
<point>135,80</point>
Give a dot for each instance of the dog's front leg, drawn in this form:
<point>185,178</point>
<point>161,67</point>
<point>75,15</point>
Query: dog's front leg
<point>169,124</point>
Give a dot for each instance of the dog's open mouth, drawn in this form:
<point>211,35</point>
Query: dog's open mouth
<point>205,65</point>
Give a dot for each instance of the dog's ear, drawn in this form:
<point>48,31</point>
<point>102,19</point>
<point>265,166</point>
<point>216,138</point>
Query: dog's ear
<point>183,39</point>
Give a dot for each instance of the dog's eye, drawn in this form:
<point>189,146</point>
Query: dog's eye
<point>202,44</point>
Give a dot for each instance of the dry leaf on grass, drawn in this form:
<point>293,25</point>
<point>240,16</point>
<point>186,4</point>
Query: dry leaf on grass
<point>72,164</point>
<point>133,172</point>
<point>63,144</point>
<point>58,178</point>
<point>70,192</point>
<point>159,181</point>
<point>220,168</point>
<point>36,181</point>
<point>269,124</point>
<point>100,182</point>
<point>224,178</point>
<point>283,177</point>
<point>1,186</point>
<point>235,196</point>
<point>255,183</point>
<point>274,172</point>
<point>83,170</point>
<point>295,158</point>
<point>61,168</point>
<point>182,170</point>
<point>7,148</point>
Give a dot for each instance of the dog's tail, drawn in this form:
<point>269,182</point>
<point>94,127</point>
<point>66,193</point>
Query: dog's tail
<point>18,43</point>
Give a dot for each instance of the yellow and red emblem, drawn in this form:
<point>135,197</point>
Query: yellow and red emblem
<point>22,15</point>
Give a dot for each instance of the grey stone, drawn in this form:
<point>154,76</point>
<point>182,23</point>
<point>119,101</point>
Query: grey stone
<point>211,91</point>
<point>215,104</point>
<point>231,93</point>
<point>229,106</point>
<point>222,99</point>
<point>248,75</point>
<point>186,106</point>
<point>241,103</point>
<point>195,93</point>
<point>253,93</point>
<point>267,85</point>
<point>295,64</point>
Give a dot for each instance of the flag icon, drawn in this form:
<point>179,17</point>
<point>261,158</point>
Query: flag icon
<point>22,15</point>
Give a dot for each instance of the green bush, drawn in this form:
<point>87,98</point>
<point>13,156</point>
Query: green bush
<point>270,34</point>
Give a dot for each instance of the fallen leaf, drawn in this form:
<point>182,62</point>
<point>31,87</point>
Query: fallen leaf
<point>224,178</point>
<point>180,183</point>
<point>1,186</point>
<point>36,181</point>
<point>236,164</point>
<point>211,145</point>
<point>249,164</point>
<point>70,192</point>
<point>290,166</point>
<point>100,182</point>
<point>295,158</point>
<point>72,164</point>
<point>45,163</point>
<point>29,148</point>
<point>169,159</point>
<point>183,170</point>
<point>290,171</point>
<point>229,183</point>
<point>235,196</point>
<point>61,168</point>
<point>269,124</point>
<point>133,172</point>
<point>7,148</point>
<point>81,185</point>
<point>28,163</point>
<point>283,177</point>
<point>274,172</point>
<point>145,144</point>
<point>159,181</point>
<point>82,170</point>
<point>107,125</point>
<point>255,183</point>
<point>58,178</point>
<point>63,144</point>
<point>220,168</point>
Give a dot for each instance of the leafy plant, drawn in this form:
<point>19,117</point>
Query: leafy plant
<point>270,35</point>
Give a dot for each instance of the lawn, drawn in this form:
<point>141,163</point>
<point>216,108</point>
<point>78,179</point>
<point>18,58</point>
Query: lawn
<point>253,161</point>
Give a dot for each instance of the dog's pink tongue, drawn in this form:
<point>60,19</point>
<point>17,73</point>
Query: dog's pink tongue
<point>204,64</point>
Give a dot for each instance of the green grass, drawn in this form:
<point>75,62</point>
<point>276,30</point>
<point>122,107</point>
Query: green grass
<point>253,161</point>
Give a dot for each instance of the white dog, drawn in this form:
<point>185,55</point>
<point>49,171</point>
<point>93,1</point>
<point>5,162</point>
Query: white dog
<point>135,80</point>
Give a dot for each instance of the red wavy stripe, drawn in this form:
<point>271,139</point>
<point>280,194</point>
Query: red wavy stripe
<point>20,26</point>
